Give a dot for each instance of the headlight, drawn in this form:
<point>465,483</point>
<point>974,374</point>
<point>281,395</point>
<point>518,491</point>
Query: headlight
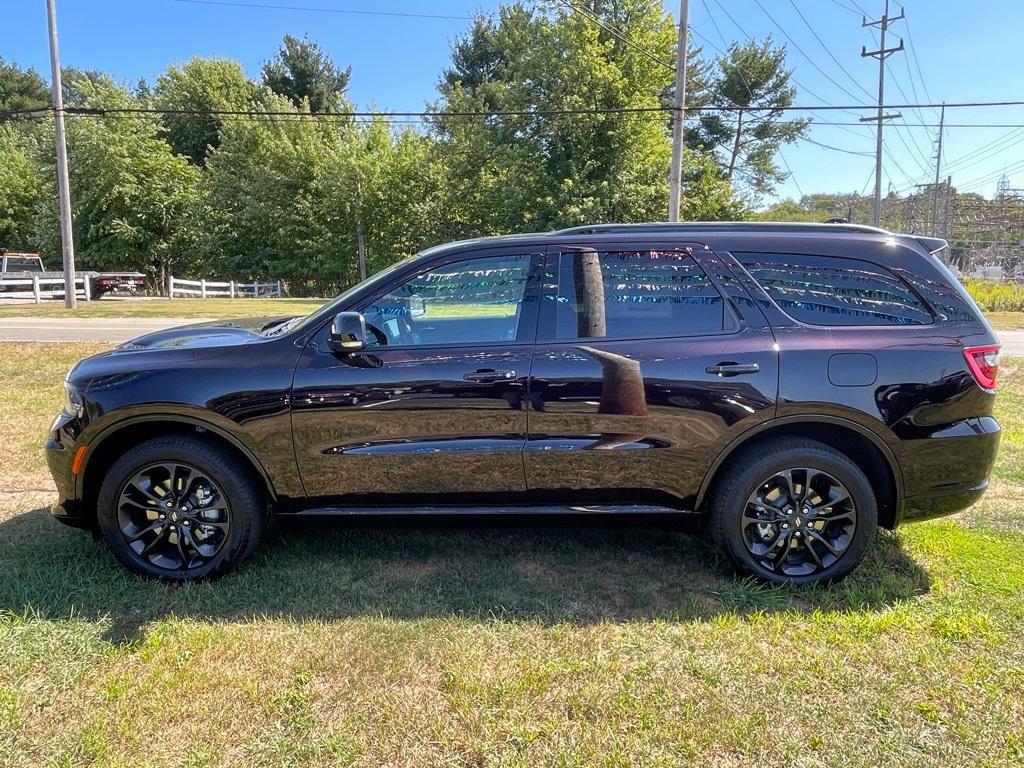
<point>72,400</point>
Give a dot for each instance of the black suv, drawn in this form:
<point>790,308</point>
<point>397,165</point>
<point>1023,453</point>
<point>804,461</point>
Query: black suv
<point>789,387</point>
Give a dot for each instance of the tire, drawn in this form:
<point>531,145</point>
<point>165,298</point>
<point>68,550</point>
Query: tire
<point>164,522</point>
<point>750,524</point>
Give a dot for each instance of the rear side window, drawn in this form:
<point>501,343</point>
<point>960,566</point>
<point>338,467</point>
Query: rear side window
<point>820,290</point>
<point>631,294</point>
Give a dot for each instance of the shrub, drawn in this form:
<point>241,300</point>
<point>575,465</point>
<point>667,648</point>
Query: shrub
<point>993,296</point>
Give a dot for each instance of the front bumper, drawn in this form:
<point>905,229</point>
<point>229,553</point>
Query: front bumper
<point>68,509</point>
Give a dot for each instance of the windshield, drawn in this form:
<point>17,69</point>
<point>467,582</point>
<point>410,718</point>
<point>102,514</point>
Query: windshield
<point>334,306</point>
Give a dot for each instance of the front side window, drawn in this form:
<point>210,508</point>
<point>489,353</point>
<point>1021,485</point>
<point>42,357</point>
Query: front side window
<point>820,290</point>
<point>478,300</point>
<point>632,294</point>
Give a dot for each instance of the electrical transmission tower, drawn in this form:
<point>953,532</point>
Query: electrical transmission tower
<point>881,54</point>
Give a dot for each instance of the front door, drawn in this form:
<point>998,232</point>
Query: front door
<point>647,363</point>
<point>435,405</point>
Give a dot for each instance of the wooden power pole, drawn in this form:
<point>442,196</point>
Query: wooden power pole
<point>881,54</point>
<point>63,187</point>
<point>675,176</point>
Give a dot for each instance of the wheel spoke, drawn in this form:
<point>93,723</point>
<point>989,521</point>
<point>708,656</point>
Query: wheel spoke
<point>161,535</point>
<point>809,546</point>
<point>842,496</point>
<point>156,526</point>
<point>185,558</point>
<point>818,537</point>
<point>145,488</point>
<point>778,558</point>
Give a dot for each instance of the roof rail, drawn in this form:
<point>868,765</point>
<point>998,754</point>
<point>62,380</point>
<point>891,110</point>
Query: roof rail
<point>704,226</point>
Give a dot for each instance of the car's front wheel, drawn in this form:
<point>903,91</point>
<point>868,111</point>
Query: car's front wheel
<point>793,511</point>
<point>180,508</point>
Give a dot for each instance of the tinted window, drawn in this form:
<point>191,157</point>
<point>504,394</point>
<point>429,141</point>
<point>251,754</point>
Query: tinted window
<point>834,291</point>
<point>477,300</point>
<point>632,294</point>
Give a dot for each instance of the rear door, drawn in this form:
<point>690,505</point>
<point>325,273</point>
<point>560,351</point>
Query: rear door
<point>648,362</point>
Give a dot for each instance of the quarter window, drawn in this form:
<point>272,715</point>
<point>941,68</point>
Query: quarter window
<point>834,291</point>
<point>476,300</point>
<point>632,294</point>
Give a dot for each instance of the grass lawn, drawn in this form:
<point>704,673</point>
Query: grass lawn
<point>370,645</point>
<point>114,307</point>
<point>1006,321</point>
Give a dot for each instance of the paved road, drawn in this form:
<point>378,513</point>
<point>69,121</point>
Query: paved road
<point>124,328</point>
<point>85,329</point>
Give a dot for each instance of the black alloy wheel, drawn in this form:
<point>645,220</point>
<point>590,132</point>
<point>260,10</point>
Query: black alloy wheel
<point>174,516</point>
<point>793,511</point>
<point>181,508</point>
<point>799,522</point>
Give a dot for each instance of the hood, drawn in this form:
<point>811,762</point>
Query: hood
<point>219,333</point>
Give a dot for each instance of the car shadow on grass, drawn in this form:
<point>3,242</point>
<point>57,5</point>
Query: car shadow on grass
<point>543,570</point>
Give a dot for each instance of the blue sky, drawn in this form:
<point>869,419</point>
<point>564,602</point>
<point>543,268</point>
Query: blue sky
<point>966,52</point>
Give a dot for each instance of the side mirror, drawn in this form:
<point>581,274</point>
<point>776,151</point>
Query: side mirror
<point>348,333</point>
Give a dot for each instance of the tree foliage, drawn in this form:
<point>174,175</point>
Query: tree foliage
<point>21,88</point>
<point>21,187</point>
<point>129,190</point>
<point>303,72</point>
<point>751,77</point>
<point>201,85</point>
<point>282,192</point>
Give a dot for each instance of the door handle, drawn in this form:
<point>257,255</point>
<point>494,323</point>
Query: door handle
<point>732,369</point>
<point>489,374</point>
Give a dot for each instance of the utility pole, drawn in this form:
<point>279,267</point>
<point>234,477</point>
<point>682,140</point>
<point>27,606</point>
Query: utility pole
<point>675,175</point>
<point>938,170</point>
<point>63,187</point>
<point>881,54</point>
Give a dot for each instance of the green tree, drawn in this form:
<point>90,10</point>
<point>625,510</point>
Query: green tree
<point>264,205</point>
<point>562,166</point>
<point>21,188</point>
<point>21,88</point>
<point>200,85</point>
<point>129,190</point>
<point>302,71</point>
<point>402,193</point>
<point>753,78</point>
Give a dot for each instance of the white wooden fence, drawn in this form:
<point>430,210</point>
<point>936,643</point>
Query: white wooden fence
<point>38,285</point>
<point>206,289</point>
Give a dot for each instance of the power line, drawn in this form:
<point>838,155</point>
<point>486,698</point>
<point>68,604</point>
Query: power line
<point>828,50</point>
<point>846,7</point>
<point>533,112</point>
<point>796,183</point>
<point>269,6</point>
<point>979,154</point>
<point>802,51</point>
<point>616,33</point>
<point>913,52</point>
<point>836,149</point>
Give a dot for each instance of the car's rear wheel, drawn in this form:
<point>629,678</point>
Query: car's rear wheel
<point>793,511</point>
<point>180,508</point>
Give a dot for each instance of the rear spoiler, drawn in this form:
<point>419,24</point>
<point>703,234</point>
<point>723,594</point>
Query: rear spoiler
<point>934,245</point>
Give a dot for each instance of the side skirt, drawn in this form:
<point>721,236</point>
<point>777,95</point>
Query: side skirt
<point>496,510</point>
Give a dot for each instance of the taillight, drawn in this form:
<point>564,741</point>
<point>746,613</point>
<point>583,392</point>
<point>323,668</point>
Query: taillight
<point>984,364</point>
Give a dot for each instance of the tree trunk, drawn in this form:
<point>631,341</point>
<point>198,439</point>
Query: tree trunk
<point>736,144</point>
